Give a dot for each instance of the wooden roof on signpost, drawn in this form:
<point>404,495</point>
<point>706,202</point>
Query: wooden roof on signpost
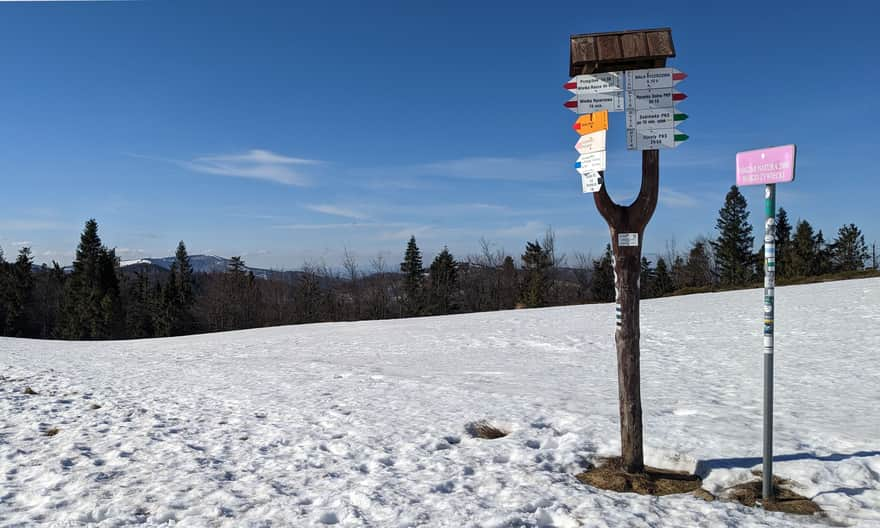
<point>620,50</point>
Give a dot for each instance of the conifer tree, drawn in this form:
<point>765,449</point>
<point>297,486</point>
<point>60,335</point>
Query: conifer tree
<point>444,279</point>
<point>646,279</point>
<point>413,274</point>
<point>91,306</point>
<point>849,251</point>
<point>783,245</point>
<point>536,269</point>
<point>178,297</point>
<point>662,279</point>
<point>602,282</point>
<point>733,247</point>
<point>803,254</point>
<point>507,284</point>
<point>697,272</point>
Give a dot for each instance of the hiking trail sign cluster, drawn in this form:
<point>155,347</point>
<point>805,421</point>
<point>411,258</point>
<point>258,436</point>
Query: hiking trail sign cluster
<point>648,96</point>
<point>625,72</point>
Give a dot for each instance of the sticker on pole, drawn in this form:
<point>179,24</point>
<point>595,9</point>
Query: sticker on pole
<point>764,166</point>
<point>627,239</point>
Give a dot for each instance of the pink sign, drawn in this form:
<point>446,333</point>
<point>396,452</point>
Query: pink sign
<point>762,166</point>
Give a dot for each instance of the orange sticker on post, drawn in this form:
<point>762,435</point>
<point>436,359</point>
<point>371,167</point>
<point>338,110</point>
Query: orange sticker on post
<point>589,123</point>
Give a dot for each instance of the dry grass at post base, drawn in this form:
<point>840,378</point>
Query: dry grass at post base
<point>609,475</point>
<point>784,500</point>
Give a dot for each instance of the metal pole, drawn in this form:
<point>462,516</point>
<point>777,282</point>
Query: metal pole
<point>769,286</point>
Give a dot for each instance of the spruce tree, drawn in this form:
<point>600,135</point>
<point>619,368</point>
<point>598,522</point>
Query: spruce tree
<point>646,279</point>
<point>733,247</point>
<point>803,253</point>
<point>507,284</point>
<point>536,269</point>
<point>849,251</point>
<point>698,268</point>
<point>178,296</point>
<point>783,244</point>
<point>444,279</point>
<point>413,274</point>
<point>662,279</point>
<point>602,281</point>
<point>91,306</point>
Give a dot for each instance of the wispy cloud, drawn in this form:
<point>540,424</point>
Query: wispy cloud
<point>672,198</point>
<point>352,225</point>
<point>32,225</point>
<point>508,168</point>
<point>336,210</point>
<point>254,164</point>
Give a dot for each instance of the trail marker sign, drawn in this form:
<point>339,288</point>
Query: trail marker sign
<point>764,166</point>
<point>589,123</point>
<point>591,142</point>
<point>768,167</point>
<point>639,139</point>
<point>587,103</point>
<point>596,83</point>
<point>653,78</point>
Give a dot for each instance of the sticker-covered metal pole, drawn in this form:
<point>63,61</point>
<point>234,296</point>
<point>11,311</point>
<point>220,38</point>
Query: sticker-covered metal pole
<point>769,286</point>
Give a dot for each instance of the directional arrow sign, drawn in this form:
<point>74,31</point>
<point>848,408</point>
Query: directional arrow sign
<point>587,103</point>
<point>595,83</point>
<point>654,139</point>
<point>653,119</point>
<point>653,99</point>
<point>588,123</point>
<point>592,162</point>
<point>594,142</point>
<point>653,78</point>
<point>591,182</point>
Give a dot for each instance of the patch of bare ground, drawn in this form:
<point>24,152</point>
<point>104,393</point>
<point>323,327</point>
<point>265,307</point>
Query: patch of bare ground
<point>485,430</point>
<point>609,475</point>
<point>784,500</point>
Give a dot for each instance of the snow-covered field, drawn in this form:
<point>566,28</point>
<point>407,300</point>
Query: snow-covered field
<point>363,424</point>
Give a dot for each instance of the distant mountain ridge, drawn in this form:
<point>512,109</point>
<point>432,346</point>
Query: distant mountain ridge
<point>200,264</point>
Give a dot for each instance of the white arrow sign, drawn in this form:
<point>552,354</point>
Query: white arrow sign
<point>588,103</point>
<point>593,142</point>
<point>653,139</point>
<point>592,162</point>
<point>595,83</point>
<point>656,118</point>
<point>652,99</point>
<point>591,182</point>
<point>653,78</point>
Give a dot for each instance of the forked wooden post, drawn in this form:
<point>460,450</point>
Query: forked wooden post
<point>610,52</point>
<point>627,268</point>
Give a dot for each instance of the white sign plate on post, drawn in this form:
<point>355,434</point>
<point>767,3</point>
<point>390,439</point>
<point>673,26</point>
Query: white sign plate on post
<point>652,99</point>
<point>592,162</point>
<point>589,103</point>
<point>627,239</point>
<point>592,142</point>
<point>653,78</point>
<point>591,182</point>
<point>651,119</point>
<point>652,139</point>
<point>595,83</point>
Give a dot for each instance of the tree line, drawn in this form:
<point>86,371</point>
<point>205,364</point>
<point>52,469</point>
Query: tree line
<point>98,299</point>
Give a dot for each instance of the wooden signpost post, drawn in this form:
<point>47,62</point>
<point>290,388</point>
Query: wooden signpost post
<point>593,57</point>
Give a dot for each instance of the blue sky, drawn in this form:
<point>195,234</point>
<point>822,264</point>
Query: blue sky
<point>288,131</point>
